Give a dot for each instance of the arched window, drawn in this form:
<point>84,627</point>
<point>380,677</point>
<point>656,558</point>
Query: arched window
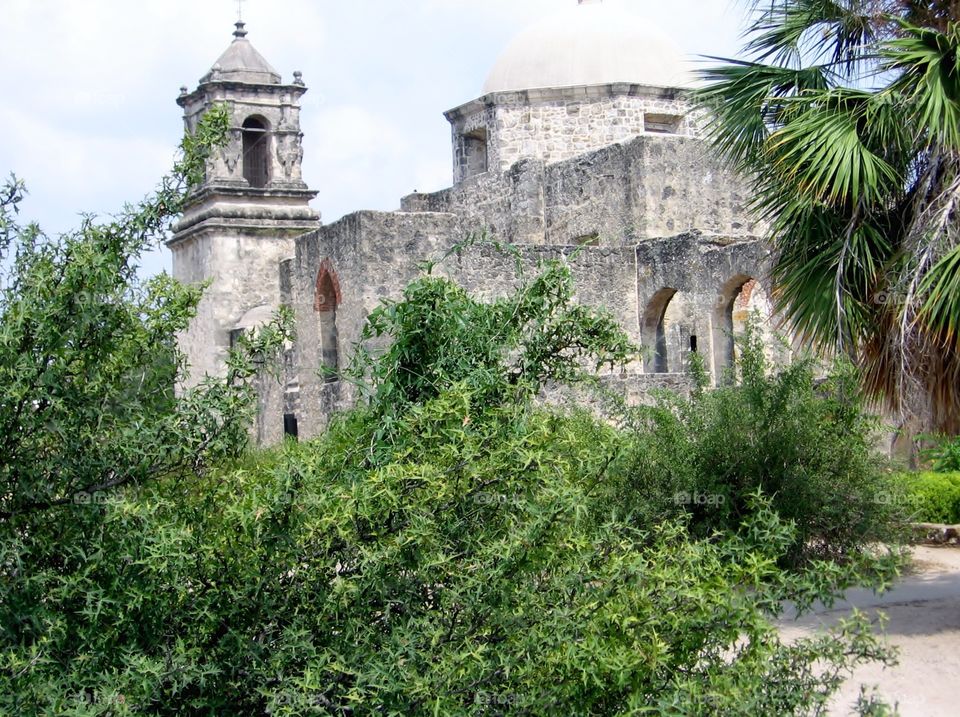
<point>326,300</point>
<point>256,153</point>
<point>659,320</point>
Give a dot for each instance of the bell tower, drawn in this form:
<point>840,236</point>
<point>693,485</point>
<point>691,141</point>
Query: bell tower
<point>241,223</point>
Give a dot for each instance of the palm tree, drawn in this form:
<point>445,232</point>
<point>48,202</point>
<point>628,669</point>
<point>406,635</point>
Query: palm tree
<point>846,118</point>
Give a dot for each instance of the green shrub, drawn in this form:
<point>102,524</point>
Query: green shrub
<point>932,497</point>
<point>806,444</point>
<point>470,573</point>
<point>450,551</point>
<point>944,454</point>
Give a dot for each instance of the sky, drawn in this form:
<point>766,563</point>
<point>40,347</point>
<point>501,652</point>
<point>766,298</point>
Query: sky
<point>89,118</point>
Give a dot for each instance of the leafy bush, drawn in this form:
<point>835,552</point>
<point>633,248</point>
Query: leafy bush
<point>933,497</point>
<point>466,575</point>
<point>944,454</point>
<point>804,443</point>
<point>88,369</point>
<point>447,548</point>
<point>89,360</point>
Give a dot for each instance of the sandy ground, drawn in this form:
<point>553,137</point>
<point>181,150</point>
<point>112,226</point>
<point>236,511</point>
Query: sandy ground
<point>923,613</point>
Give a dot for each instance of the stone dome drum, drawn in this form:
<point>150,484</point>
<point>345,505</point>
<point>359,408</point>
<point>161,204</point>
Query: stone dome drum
<point>593,43</point>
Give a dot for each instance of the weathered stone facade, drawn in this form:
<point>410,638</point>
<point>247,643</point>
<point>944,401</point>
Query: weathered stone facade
<point>553,124</point>
<point>234,233</point>
<point>610,177</point>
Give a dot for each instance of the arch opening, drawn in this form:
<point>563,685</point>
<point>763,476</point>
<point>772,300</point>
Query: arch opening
<point>658,319</point>
<point>475,153</point>
<point>740,297</point>
<point>256,152</point>
<point>326,302</point>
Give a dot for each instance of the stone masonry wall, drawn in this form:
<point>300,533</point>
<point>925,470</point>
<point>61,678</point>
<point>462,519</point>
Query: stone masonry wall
<point>373,255</point>
<point>376,254</point>
<point>706,275</point>
<point>654,230</point>
<point>242,269</point>
<point>559,130</point>
<point>651,186</point>
<point>555,124</point>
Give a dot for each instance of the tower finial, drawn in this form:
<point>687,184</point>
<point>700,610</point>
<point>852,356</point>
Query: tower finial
<point>240,32</point>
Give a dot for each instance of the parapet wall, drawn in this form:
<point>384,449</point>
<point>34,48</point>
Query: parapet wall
<point>649,187</point>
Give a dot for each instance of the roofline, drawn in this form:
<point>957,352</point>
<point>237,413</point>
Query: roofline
<point>188,97</point>
<point>569,92</point>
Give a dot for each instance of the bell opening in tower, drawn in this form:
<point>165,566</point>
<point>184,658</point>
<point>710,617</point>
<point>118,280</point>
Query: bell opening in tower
<point>256,155</point>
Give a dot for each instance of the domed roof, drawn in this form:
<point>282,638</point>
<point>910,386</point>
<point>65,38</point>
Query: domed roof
<point>242,63</point>
<point>592,43</point>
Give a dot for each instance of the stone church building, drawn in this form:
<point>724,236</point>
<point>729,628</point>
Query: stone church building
<point>583,138</point>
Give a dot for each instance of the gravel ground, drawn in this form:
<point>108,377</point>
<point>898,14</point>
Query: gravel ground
<point>923,613</point>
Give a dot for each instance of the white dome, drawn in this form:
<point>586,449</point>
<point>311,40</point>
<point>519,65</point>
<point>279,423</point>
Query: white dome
<point>593,43</point>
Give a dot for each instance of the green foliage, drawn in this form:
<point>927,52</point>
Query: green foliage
<point>804,443</point>
<point>944,454</point>
<point>447,548</point>
<point>88,357</point>
<point>846,117</point>
<point>933,497</point>
<point>504,350</point>
<point>89,411</point>
<point>466,576</point>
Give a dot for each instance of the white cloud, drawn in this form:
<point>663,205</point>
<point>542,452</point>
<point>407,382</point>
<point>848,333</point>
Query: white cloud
<point>357,159</point>
<point>73,172</point>
<point>350,133</point>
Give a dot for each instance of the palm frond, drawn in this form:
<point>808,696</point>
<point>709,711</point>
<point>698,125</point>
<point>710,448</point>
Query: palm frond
<point>928,66</point>
<point>860,188</point>
<point>839,34</point>
<point>940,289</point>
<point>744,101</point>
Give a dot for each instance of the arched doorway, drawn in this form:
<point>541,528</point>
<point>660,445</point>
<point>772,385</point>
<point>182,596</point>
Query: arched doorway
<point>741,297</point>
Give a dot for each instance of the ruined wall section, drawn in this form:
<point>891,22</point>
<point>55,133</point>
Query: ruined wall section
<point>373,256</point>
<point>704,276</point>
<point>603,276</point>
<point>623,194</point>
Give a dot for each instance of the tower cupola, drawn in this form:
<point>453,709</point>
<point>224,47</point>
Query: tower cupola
<point>241,62</point>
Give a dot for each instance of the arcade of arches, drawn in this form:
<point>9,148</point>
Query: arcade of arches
<point>676,324</point>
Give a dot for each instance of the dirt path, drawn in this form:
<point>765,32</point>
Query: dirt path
<point>923,613</point>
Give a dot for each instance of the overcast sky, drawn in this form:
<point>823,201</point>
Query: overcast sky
<point>89,118</point>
